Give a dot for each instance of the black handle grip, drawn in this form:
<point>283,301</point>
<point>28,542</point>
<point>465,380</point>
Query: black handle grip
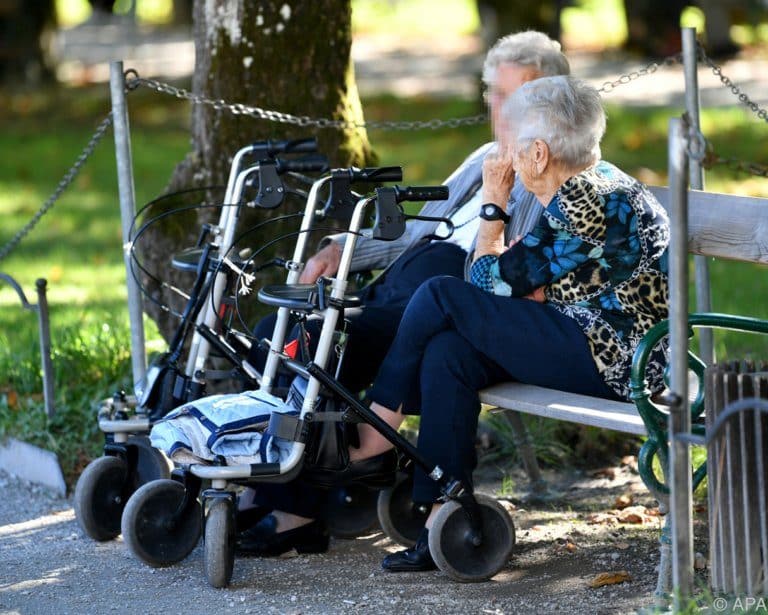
<point>292,146</point>
<point>316,163</point>
<point>421,193</point>
<point>371,175</point>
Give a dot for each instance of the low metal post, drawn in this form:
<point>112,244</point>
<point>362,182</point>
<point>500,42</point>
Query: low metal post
<point>127,213</point>
<point>679,416</point>
<point>44,327</point>
<point>696,181</point>
<point>44,331</point>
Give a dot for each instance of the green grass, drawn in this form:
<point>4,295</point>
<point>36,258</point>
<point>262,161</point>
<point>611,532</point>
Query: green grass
<point>77,245</point>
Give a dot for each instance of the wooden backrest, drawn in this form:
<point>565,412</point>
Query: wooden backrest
<point>724,225</point>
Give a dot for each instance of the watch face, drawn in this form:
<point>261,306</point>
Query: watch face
<point>489,210</point>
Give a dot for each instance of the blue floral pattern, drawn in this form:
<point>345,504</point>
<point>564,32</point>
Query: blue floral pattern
<point>600,252</point>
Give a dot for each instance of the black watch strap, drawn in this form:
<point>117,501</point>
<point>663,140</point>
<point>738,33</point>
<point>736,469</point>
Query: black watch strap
<point>491,211</point>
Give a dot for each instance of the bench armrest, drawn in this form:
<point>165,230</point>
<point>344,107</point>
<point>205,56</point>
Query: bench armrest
<point>655,418</point>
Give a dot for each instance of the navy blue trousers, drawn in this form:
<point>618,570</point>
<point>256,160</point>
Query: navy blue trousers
<point>455,339</point>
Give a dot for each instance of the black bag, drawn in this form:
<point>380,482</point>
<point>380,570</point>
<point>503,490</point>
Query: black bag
<point>329,439</point>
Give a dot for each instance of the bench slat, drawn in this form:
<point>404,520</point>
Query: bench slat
<point>615,415</point>
<point>724,225</point>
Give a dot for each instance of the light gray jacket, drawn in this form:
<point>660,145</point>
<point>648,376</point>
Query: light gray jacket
<point>462,184</point>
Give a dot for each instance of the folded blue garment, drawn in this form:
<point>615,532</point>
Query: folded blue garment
<point>229,425</point>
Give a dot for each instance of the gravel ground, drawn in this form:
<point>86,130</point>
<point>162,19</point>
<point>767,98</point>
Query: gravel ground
<point>47,565</point>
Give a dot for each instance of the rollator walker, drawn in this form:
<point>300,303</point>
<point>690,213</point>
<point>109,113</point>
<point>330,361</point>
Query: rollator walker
<point>472,536</point>
<point>129,460</point>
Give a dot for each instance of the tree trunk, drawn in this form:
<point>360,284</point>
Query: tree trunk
<point>290,56</point>
<point>501,17</point>
<point>23,54</point>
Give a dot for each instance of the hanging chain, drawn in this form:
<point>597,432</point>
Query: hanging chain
<point>134,81</point>
<point>65,181</point>
<point>735,90</point>
<point>651,68</point>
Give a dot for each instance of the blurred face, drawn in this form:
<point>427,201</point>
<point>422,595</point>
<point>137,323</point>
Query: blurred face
<point>507,79</point>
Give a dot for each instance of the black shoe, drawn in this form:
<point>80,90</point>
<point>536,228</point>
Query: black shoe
<point>377,472</point>
<point>248,517</point>
<point>415,559</point>
<point>262,539</point>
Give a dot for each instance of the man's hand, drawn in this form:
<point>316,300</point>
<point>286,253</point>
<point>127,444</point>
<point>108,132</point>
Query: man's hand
<point>498,176</point>
<point>324,263</point>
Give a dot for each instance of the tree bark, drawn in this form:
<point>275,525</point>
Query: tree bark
<point>290,56</point>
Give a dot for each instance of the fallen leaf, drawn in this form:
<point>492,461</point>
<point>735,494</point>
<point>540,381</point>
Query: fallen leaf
<point>622,545</point>
<point>596,518</point>
<point>623,501</point>
<point>609,578</point>
<point>12,399</point>
<point>630,516</point>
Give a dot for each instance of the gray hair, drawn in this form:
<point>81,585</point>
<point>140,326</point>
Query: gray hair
<point>564,112</point>
<point>529,48</point>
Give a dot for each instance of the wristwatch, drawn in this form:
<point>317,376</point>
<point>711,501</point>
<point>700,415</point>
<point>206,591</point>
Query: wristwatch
<point>491,211</point>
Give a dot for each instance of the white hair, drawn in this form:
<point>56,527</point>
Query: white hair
<point>529,48</point>
<point>566,113</point>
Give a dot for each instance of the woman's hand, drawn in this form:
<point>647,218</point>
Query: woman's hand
<point>498,176</point>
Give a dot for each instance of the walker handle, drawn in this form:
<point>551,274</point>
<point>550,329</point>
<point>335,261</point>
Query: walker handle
<point>314,163</point>
<point>371,175</point>
<point>293,146</point>
<point>420,193</point>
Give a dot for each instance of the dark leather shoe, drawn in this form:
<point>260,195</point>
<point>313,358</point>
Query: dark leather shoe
<point>415,559</point>
<point>377,472</point>
<point>262,539</point>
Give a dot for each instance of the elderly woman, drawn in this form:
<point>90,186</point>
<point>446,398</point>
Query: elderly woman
<point>563,307</point>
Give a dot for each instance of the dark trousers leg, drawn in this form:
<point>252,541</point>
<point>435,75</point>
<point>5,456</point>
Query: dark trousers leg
<point>478,339</point>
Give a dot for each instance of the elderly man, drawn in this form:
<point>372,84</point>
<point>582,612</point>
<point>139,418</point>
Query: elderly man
<point>407,262</point>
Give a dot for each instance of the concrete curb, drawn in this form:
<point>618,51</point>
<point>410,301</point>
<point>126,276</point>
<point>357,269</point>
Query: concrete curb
<point>33,464</point>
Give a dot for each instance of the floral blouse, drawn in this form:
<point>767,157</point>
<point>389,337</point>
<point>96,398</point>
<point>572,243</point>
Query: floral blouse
<point>600,252</point>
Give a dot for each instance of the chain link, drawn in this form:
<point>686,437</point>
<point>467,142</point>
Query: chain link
<point>65,181</point>
<point>735,90</point>
<point>651,68</point>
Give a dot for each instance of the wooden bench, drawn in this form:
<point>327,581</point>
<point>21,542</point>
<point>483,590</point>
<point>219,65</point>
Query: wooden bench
<point>720,225</point>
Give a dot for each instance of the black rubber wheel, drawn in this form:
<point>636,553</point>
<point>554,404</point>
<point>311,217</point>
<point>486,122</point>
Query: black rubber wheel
<point>219,554</point>
<point>351,511</point>
<point>100,497</point>
<point>452,550</point>
<point>399,517</point>
<point>146,462</point>
<point>149,528</point>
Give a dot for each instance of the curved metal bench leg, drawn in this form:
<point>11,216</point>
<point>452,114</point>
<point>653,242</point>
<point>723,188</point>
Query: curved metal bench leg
<point>523,443</point>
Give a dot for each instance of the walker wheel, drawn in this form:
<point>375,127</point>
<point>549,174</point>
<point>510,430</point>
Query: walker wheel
<point>100,497</point>
<point>219,554</point>
<point>146,462</point>
<point>454,554</point>
<point>154,529</point>
<point>399,517</point>
<point>351,511</point>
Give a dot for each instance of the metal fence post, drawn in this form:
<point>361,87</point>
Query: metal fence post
<point>44,331</point>
<point>44,327</point>
<point>696,181</point>
<point>680,479</point>
<point>127,213</point>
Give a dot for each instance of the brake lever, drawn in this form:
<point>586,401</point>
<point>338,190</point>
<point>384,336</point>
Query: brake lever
<point>434,236</point>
